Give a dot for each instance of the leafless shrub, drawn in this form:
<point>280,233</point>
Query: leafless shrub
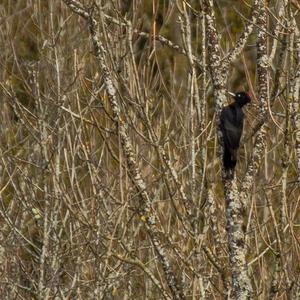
<point>111,182</point>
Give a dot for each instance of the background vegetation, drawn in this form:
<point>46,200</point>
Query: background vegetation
<point>127,202</point>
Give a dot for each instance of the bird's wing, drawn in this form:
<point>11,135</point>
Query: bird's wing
<point>231,131</point>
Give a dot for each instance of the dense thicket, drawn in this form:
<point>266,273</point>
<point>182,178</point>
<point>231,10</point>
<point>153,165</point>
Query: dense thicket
<point>111,180</point>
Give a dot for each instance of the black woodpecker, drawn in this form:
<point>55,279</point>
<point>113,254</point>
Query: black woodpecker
<point>231,126</point>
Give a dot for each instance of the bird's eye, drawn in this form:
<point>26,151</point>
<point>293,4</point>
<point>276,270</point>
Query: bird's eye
<point>239,95</point>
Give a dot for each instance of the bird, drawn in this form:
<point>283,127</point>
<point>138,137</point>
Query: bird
<point>231,127</point>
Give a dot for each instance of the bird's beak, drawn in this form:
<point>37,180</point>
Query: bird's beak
<point>231,94</point>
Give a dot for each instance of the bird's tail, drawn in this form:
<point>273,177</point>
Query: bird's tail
<point>229,158</point>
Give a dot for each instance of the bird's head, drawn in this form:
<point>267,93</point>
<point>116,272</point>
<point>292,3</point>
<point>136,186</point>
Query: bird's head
<point>241,98</point>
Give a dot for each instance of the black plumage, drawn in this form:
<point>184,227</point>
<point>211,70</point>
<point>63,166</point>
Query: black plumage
<point>231,126</point>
